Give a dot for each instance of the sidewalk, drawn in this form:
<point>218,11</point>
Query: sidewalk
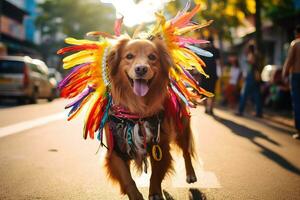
<point>282,117</point>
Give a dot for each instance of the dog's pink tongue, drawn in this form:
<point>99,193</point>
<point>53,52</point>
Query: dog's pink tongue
<point>140,87</point>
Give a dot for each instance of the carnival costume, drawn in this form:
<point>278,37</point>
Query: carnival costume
<point>88,83</point>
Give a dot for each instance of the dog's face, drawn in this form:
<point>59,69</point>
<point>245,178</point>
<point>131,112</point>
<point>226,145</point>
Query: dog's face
<point>139,64</point>
<point>139,73</point>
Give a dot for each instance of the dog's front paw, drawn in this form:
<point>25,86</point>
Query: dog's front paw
<point>191,178</point>
<point>156,197</point>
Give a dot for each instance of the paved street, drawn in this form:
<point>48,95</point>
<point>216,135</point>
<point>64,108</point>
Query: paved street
<point>42,156</point>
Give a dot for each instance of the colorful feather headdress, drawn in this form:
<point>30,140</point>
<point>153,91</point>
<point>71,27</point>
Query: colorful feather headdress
<point>88,81</point>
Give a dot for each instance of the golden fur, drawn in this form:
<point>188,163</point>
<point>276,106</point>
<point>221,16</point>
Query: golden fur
<point>124,58</point>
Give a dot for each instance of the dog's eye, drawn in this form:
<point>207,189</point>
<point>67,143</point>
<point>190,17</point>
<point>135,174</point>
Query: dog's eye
<point>152,57</point>
<point>129,56</point>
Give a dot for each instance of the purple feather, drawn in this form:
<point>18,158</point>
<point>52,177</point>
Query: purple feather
<point>184,40</point>
<point>180,13</point>
<point>187,73</point>
<point>74,108</point>
<point>66,80</point>
<point>81,97</point>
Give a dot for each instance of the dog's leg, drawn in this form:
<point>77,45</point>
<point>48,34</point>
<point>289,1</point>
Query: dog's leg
<point>119,171</point>
<point>185,142</point>
<point>159,170</point>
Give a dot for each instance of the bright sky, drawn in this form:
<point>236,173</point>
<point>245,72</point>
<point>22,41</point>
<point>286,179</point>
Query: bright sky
<point>137,13</point>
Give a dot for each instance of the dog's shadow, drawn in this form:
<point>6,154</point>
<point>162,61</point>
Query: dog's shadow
<point>194,194</point>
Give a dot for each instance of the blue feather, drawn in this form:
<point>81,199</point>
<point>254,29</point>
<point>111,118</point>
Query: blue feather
<point>179,94</point>
<point>104,118</point>
<point>199,51</point>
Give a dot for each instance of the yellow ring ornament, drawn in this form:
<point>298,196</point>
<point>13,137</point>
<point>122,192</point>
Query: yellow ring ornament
<point>156,149</point>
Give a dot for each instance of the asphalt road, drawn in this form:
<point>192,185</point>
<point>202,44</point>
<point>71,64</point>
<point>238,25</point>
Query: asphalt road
<point>42,156</point>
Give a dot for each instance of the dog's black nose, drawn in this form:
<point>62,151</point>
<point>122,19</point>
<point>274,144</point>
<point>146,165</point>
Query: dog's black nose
<point>141,70</point>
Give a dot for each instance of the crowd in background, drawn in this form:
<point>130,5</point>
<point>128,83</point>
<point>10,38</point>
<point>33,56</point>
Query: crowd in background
<point>241,84</point>
<point>237,85</point>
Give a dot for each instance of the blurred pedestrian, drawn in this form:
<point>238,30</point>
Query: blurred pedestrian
<point>278,94</point>
<point>251,87</point>
<point>209,84</point>
<point>292,67</point>
<point>232,89</point>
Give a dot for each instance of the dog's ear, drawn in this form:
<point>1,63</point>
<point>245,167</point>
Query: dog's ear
<point>166,60</point>
<point>114,56</point>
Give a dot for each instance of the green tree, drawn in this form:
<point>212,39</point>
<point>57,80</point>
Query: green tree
<point>73,18</point>
<point>227,15</point>
<point>230,14</point>
<point>278,10</point>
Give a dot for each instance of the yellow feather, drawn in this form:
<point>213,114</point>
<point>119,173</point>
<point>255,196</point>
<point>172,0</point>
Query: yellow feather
<point>206,93</point>
<point>174,74</point>
<point>179,68</point>
<point>191,28</point>
<point>78,61</point>
<point>74,41</point>
<point>93,100</point>
<point>101,88</point>
<point>200,69</point>
<point>80,54</point>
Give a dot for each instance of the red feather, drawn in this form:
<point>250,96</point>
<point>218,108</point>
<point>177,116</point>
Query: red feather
<point>91,119</point>
<point>77,48</point>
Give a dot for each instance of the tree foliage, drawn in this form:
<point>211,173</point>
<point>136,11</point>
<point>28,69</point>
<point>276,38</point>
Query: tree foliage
<point>74,17</point>
<point>228,14</point>
<point>279,9</point>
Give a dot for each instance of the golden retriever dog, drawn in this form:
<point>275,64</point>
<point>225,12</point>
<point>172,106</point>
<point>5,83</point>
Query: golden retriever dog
<point>139,83</point>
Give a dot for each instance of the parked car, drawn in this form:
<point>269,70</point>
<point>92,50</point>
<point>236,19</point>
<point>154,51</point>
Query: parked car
<point>24,78</point>
<point>55,77</point>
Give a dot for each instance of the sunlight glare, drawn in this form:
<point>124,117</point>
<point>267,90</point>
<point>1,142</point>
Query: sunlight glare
<point>133,13</point>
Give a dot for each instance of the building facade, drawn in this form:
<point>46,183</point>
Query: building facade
<point>17,29</point>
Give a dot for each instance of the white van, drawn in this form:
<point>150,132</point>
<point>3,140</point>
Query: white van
<point>24,78</point>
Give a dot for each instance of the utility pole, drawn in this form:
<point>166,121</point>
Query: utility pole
<point>258,33</point>
<point>0,20</point>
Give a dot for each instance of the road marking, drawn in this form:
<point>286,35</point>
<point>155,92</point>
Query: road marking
<point>22,126</point>
<point>205,179</point>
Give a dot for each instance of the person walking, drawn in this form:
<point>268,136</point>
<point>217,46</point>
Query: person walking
<point>292,67</point>
<point>232,89</point>
<point>209,84</point>
<point>251,87</point>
